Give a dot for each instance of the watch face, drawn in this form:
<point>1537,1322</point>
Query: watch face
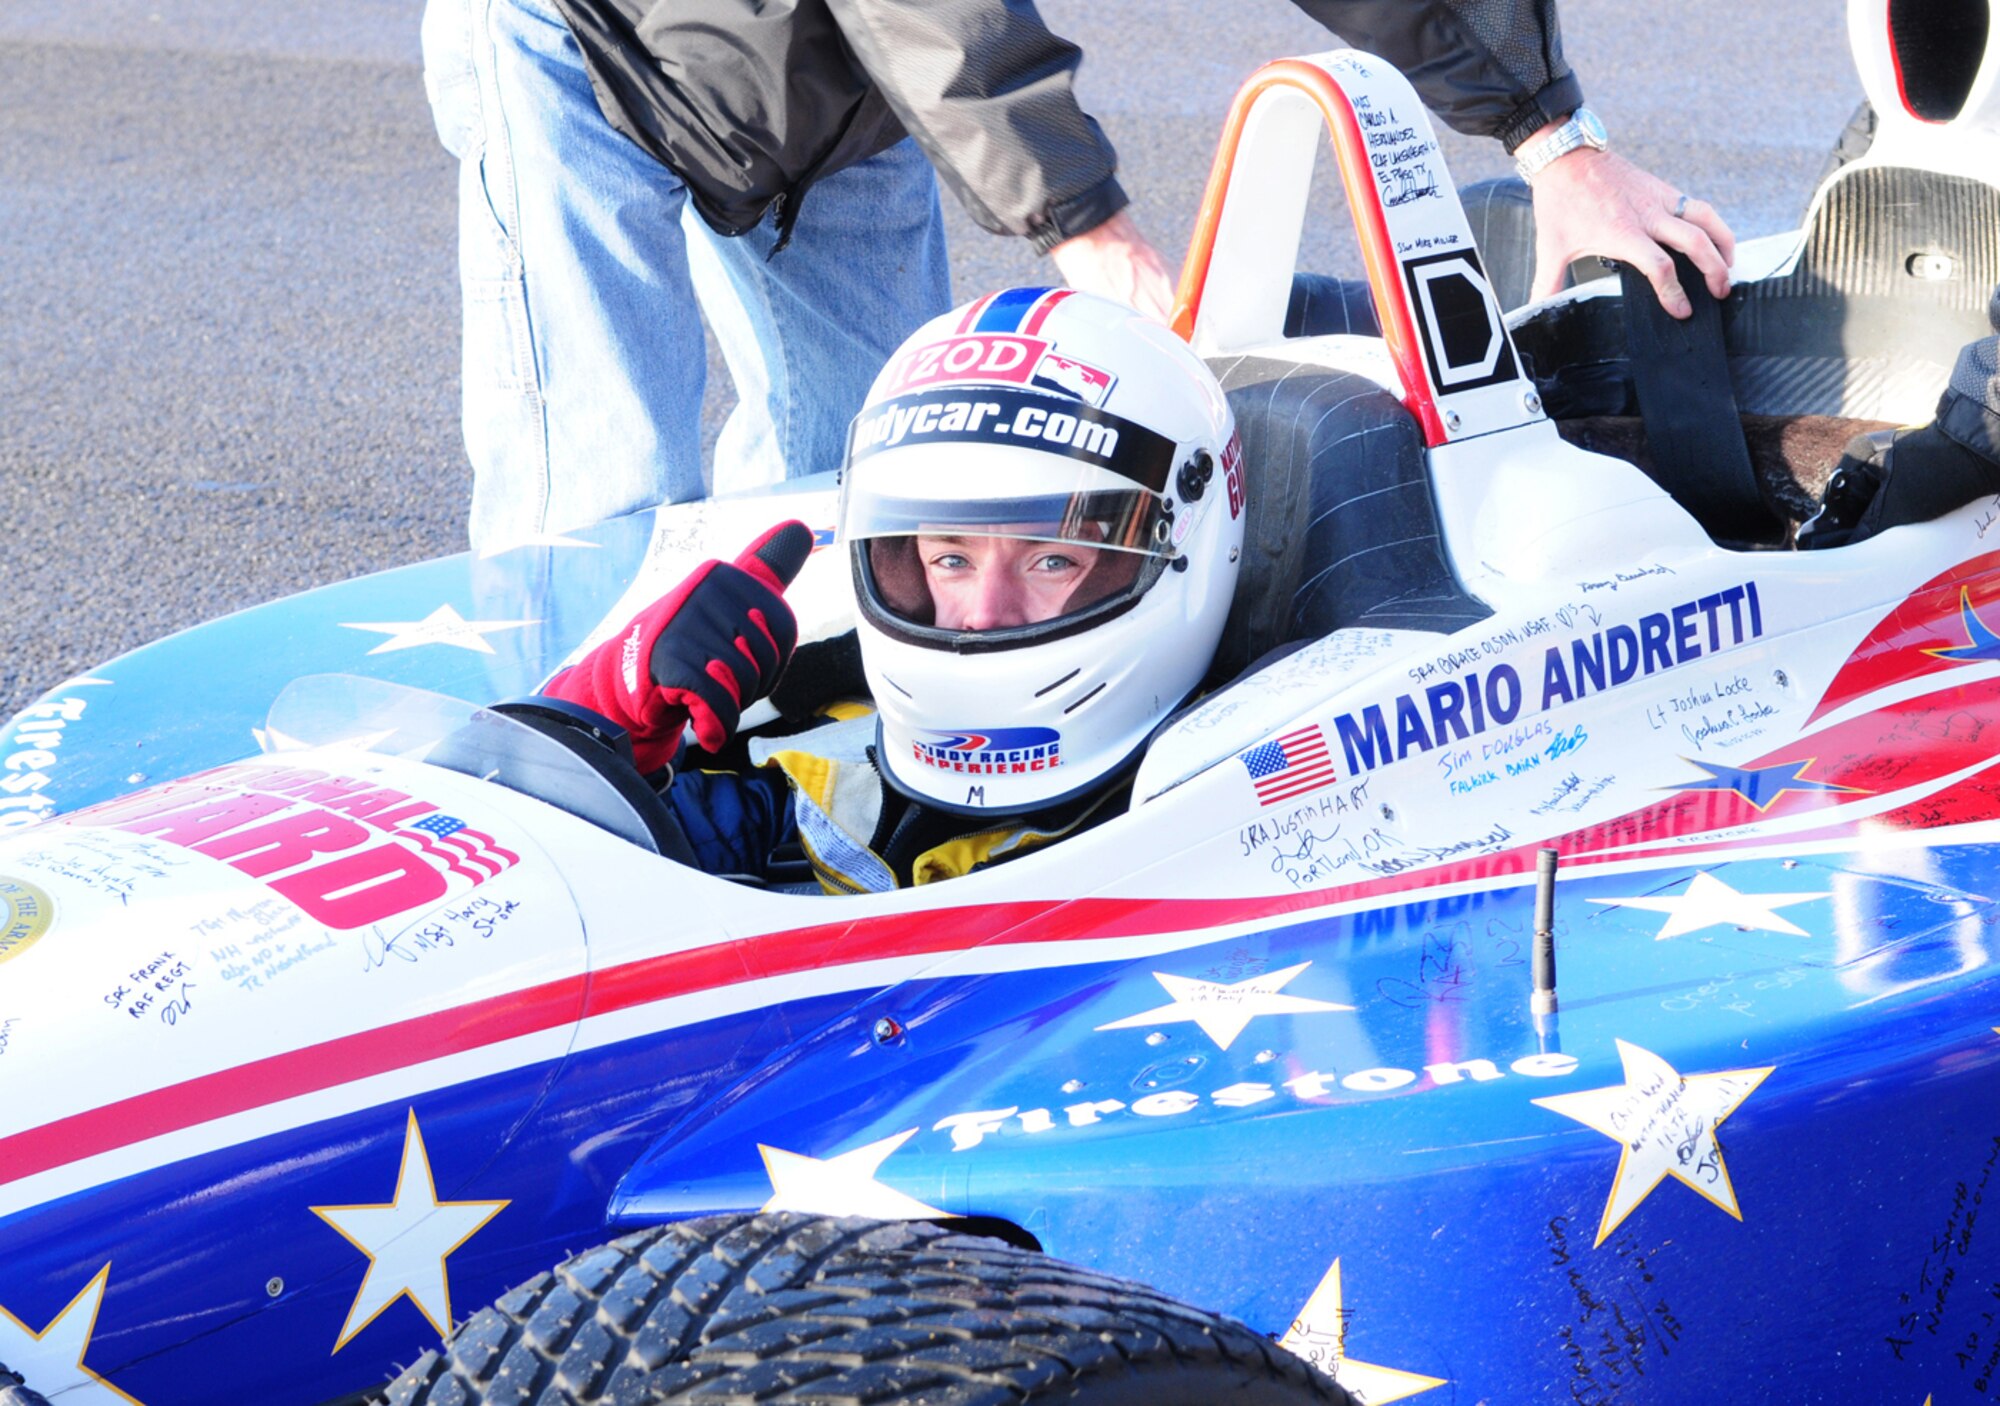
<point>1593,130</point>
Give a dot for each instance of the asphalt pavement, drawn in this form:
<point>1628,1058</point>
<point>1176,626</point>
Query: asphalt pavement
<point>228,297</point>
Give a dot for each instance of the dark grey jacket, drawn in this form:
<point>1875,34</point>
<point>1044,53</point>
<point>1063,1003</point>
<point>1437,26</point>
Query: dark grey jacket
<point>751,101</point>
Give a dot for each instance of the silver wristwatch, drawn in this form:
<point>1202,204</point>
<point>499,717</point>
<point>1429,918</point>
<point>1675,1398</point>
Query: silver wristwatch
<point>1582,129</point>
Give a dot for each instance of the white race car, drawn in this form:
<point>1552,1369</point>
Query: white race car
<point>1566,975</point>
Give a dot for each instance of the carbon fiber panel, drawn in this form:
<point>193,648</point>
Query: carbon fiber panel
<point>1873,389</point>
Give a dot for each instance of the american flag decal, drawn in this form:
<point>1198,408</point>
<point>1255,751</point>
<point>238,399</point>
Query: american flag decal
<point>1290,765</point>
<point>466,852</point>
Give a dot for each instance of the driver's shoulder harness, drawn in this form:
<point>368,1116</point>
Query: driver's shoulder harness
<point>858,833</point>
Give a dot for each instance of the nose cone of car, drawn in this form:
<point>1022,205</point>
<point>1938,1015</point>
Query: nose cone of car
<point>257,937</point>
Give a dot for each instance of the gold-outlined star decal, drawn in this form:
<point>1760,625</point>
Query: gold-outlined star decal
<point>1762,786</point>
<point>407,1241</point>
<point>844,1185</point>
<point>1981,644</point>
<point>1708,901</point>
<point>1222,1009</point>
<point>51,1361</point>
<point>1664,1123</point>
<point>1319,1335</point>
<point>442,626</point>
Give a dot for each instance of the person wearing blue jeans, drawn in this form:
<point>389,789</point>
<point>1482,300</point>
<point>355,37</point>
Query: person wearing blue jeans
<point>627,160</point>
<point>585,272</point>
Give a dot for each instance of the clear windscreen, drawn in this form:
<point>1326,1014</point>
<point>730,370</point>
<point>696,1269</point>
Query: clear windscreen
<point>372,715</point>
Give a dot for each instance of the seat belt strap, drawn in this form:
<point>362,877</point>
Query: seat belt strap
<point>1680,375</point>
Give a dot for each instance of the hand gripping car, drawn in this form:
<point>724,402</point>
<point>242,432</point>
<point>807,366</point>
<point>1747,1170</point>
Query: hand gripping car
<point>405,1025</point>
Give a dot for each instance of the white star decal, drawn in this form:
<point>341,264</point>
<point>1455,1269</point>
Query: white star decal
<point>1664,1123</point>
<point>442,626</point>
<point>51,1361</point>
<point>539,539</point>
<point>841,1186</point>
<point>1319,1335</point>
<point>1223,1009</point>
<point>407,1241</point>
<point>1708,901</point>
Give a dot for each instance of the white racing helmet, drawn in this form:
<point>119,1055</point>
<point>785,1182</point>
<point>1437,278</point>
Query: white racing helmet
<point>1043,500</point>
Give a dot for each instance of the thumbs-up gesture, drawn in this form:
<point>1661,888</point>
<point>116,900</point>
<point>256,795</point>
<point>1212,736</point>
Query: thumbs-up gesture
<point>699,655</point>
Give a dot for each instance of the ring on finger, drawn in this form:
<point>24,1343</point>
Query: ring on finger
<point>1680,206</point>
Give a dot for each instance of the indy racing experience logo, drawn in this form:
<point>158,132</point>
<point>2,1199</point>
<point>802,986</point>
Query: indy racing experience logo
<point>1004,751</point>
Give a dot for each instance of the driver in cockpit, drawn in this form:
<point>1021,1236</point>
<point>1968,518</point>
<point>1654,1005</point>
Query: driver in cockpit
<point>1043,509</point>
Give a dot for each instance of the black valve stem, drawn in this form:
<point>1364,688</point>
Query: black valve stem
<point>1543,1000</point>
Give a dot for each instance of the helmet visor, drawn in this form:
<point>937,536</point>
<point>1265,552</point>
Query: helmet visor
<point>1074,542</point>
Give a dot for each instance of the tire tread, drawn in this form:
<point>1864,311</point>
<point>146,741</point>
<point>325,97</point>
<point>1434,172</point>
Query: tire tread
<point>746,1309</point>
<point>15,1392</point>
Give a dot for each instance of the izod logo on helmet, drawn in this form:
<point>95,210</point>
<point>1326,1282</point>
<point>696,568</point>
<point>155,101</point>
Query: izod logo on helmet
<point>980,357</point>
<point>1002,751</point>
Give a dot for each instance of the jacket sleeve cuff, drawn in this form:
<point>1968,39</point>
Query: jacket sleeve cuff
<point>1975,426</point>
<point>1559,99</point>
<point>1079,214</point>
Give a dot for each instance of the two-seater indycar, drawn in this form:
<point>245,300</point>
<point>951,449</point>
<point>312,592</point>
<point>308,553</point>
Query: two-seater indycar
<point>333,1008</point>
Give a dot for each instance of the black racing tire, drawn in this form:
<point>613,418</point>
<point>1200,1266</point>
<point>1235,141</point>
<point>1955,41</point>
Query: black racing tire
<point>15,1392</point>
<point>787,1308</point>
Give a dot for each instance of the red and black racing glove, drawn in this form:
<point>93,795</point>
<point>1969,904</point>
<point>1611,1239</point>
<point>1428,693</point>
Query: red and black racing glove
<point>701,654</point>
